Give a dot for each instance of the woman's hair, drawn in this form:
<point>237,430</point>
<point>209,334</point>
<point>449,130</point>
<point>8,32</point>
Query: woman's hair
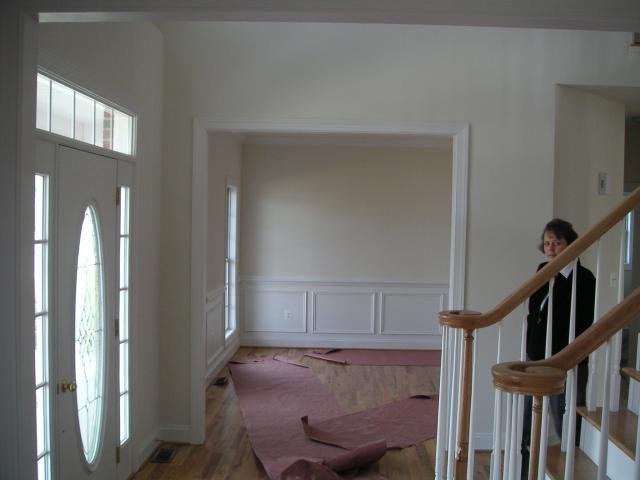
<point>561,229</point>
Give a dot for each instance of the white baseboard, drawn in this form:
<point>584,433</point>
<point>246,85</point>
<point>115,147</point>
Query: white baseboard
<point>175,433</point>
<point>146,448</point>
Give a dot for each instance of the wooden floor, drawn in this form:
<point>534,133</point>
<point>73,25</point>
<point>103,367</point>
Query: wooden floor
<point>227,453</point>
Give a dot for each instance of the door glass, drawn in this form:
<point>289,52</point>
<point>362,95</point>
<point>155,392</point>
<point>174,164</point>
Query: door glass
<point>89,335</point>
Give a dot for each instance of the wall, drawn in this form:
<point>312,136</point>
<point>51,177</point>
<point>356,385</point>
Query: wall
<point>346,212</point>
<point>500,81</point>
<point>345,240</point>
<point>225,165</point>
<point>123,63</point>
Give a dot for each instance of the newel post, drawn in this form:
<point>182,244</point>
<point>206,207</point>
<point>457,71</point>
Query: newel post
<point>464,415</point>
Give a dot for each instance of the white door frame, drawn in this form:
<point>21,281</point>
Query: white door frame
<point>459,132</point>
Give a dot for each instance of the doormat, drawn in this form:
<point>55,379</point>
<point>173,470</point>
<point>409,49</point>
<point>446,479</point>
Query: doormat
<point>358,356</point>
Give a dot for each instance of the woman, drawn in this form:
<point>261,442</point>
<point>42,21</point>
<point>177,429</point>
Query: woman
<point>557,235</point>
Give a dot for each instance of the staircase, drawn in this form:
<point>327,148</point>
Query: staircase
<point>612,456</point>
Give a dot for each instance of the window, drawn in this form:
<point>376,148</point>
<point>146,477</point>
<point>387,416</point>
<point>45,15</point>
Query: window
<point>41,290</point>
<point>230,262</point>
<point>628,240</point>
<point>123,333</point>
<point>66,111</point>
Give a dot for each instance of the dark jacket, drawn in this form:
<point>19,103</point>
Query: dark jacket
<point>537,317</point>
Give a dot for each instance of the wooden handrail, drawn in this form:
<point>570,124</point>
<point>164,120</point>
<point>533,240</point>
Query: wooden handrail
<point>546,377</point>
<point>465,320</point>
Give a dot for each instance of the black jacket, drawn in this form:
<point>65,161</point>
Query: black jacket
<point>537,317</point>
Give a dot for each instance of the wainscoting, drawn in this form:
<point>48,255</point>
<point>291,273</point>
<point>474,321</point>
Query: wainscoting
<point>340,313</point>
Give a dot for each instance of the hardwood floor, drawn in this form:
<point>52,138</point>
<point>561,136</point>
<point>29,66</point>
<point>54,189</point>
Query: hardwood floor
<point>227,452</point>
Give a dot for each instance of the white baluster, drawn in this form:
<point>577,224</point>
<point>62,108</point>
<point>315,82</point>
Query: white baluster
<point>520,417</point>
<point>515,446</point>
<point>604,419</point>
<point>454,401</point>
<point>507,437</point>
<point>494,471</point>
<point>544,434</point>
<point>614,403</point>
<point>592,393</point>
<point>544,439</point>
<point>634,391</point>
<point>569,419</point>
<point>443,403</point>
<point>472,431</point>
<point>519,435</point>
<point>636,469</point>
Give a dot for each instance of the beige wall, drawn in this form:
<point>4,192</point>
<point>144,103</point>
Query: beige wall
<point>590,140</point>
<point>346,212</point>
<point>225,162</point>
<point>123,63</point>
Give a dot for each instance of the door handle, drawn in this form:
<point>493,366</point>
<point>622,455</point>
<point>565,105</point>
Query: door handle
<point>68,386</point>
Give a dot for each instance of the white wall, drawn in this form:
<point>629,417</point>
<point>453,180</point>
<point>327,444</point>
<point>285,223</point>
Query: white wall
<point>501,81</point>
<point>123,62</point>
<point>345,212</point>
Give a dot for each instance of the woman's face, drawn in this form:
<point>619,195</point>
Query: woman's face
<point>552,245</point>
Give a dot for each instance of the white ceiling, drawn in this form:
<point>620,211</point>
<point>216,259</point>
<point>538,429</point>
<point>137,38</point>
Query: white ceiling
<point>614,15</point>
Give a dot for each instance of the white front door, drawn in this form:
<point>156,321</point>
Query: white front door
<point>86,345</point>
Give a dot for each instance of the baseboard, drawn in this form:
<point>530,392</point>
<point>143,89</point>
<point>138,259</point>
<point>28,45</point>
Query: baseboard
<point>255,339</point>
<point>146,448</point>
<point>175,433</point>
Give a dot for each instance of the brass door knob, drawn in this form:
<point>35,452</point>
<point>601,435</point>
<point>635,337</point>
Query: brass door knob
<point>68,386</point>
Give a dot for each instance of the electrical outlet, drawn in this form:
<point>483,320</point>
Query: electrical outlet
<point>288,315</point>
<point>613,280</point>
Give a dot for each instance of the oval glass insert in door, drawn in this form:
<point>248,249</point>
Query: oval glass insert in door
<point>89,335</point>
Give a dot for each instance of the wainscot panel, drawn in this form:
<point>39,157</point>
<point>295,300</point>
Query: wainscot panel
<point>343,313</point>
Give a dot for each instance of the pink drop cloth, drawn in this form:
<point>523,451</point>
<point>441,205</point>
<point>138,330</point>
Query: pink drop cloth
<point>275,395</point>
<point>356,356</point>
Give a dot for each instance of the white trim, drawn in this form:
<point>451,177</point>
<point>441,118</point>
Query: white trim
<point>404,141</point>
<point>302,293</point>
<point>201,126</point>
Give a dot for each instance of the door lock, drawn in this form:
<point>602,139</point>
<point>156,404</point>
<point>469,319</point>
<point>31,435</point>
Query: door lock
<point>68,386</point>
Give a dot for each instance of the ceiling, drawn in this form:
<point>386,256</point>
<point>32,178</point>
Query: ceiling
<point>613,15</point>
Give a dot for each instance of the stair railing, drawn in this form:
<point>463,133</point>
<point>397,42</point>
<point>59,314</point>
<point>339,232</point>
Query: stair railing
<point>547,377</point>
<point>457,369</point>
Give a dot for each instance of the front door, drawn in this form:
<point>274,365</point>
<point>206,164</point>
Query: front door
<point>86,293</point>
